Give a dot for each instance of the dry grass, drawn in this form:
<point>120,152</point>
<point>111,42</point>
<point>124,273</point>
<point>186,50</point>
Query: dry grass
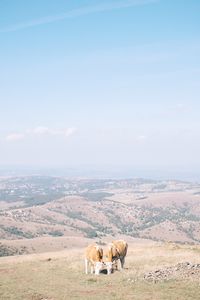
<point>38,277</point>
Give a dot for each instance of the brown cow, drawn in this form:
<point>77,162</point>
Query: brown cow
<point>116,250</point>
<point>94,258</point>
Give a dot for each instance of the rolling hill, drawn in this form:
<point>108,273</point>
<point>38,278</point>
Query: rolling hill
<point>38,210</point>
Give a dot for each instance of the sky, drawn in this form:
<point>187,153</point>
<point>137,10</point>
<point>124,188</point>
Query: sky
<point>112,84</point>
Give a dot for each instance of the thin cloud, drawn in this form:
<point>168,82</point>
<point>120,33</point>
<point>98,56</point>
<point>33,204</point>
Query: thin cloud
<point>41,131</point>
<point>78,12</point>
<point>13,137</point>
<point>141,139</point>
<point>70,131</point>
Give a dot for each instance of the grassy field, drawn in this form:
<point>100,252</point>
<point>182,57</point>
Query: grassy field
<point>60,275</point>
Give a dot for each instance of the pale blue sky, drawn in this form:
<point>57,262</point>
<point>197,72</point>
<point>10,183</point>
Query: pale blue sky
<point>100,83</point>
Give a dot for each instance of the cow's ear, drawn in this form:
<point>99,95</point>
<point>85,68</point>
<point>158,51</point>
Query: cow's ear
<point>117,250</point>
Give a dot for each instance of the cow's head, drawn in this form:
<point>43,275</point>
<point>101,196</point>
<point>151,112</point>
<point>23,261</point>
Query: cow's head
<point>109,267</point>
<point>98,267</point>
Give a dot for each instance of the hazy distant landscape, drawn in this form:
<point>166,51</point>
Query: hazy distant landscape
<point>35,208</point>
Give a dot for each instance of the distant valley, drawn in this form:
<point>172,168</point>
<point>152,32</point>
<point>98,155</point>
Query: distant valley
<point>52,209</point>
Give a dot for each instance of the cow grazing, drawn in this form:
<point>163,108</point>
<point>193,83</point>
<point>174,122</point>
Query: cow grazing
<point>94,258</point>
<point>117,250</point>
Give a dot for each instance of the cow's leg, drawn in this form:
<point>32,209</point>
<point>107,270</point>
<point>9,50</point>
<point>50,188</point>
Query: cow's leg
<point>86,266</point>
<point>96,270</point>
<point>92,268</point>
<point>122,260</point>
<point>115,264</point>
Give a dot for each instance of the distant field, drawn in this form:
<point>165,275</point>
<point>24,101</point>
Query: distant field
<point>60,275</point>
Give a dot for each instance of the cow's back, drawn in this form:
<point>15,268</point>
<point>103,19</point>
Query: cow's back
<point>110,253</point>
<point>121,246</point>
<point>94,253</point>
